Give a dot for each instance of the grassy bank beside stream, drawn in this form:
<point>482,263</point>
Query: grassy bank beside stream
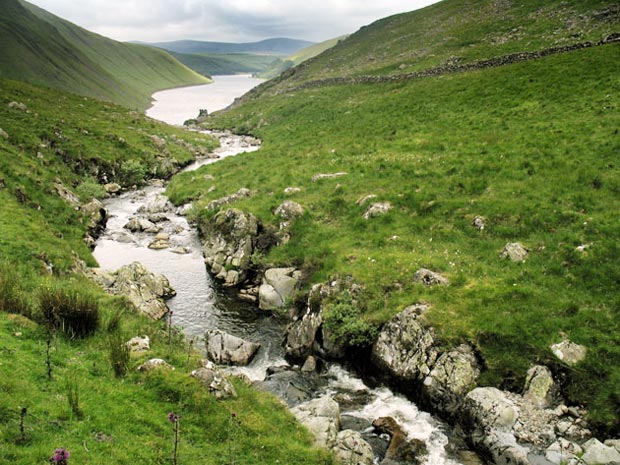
<point>532,148</point>
<point>49,139</point>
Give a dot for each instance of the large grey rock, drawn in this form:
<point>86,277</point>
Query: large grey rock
<point>563,452</point>
<point>139,344</point>
<point>321,176</point>
<point>401,449</point>
<point>112,188</point>
<point>322,418</point>
<point>289,210</point>
<point>155,364</point>
<point>490,408</point>
<point>429,278</point>
<point>66,195</point>
<point>352,449</point>
<point>597,453</point>
<point>569,352</point>
<point>278,287</point>
<point>228,244</point>
<point>138,224</point>
<point>144,289</point>
<point>452,376</point>
<point>515,252</point>
<point>227,349</point>
<point>159,204</point>
<point>615,443</point>
<point>290,385</point>
<point>377,209</point>
<point>539,386</point>
<point>215,382</point>
<point>97,217</point>
<point>405,349</point>
<point>301,335</point>
<point>18,106</point>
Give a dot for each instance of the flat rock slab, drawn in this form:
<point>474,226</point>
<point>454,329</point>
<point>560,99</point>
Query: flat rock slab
<point>226,349</point>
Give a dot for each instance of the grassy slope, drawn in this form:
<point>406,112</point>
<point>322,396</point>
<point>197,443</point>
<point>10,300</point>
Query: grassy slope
<point>296,58</point>
<point>42,49</point>
<point>69,138</point>
<point>532,147</point>
<point>232,63</point>
<point>461,31</point>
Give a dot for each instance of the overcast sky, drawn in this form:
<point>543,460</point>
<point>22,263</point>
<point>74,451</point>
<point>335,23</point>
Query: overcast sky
<point>225,20</point>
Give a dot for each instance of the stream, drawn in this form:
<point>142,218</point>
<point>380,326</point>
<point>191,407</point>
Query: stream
<point>200,304</point>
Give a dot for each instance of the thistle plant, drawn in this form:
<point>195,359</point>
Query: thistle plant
<point>174,419</point>
<point>170,313</point>
<point>22,425</point>
<point>60,457</point>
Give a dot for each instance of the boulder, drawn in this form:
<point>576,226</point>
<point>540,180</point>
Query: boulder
<point>429,278</point>
<point>278,287</point>
<point>112,188</point>
<point>289,210</point>
<point>597,453</point>
<point>309,365</point>
<point>292,190</point>
<point>145,290</point>
<point>301,335</point>
<point>452,376</point>
<point>228,244</point>
<point>66,195</point>
<point>563,452</point>
<point>215,382</point>
<point>155,364</point>
<point>290,385</point>
<point>322,418</point>
<point>352,449</point>
<point>401,450</point>
<point>539,386</point>
<point>489,408</point>
<point>377,209</point>
<point>3,134</point>
<point>405,349</point>
<point>223,348</point>
<point>157,217</point>
<point>96,215</point>
<point>159,244</point>
<point>18,106</point>
<point>139,344</point>
<point>240,194</point>
<point>320,176</point>
<point>479,223</point>
<point>137,224</point>
<point>615,443</point>
<point>362,200</point>
<point>159,204</point>
<point>569,352</point>
<point>515,252</point>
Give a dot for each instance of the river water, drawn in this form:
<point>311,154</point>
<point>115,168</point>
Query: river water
<point>174,106</point>
<point>200,305</point>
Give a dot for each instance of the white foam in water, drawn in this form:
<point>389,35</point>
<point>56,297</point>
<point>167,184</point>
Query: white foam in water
<point>417,424</point>
<point>257,370</point>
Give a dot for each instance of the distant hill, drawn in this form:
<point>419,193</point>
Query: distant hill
<point>43,49</point>
<point>458,32</point>
<point>211,64</point>
<point>277,46</point>
<point>281,65</point>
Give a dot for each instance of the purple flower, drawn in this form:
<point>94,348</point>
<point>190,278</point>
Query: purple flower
<point>173,417</point>
<point>60,457</point>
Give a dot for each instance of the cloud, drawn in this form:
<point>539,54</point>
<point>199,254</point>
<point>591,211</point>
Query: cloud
<point>229,21</point>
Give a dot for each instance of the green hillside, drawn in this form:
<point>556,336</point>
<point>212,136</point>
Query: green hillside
<point>532,148</point>
<point>458,32</point>
<point>88,406</point>
<point>211,64</point>
<point>281,65</point>
<point>42,49</point>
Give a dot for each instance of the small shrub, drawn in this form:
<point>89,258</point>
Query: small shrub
<point>89,190</point>
<point>72,391</point>
<point>344,320</point>
<point>132,172</point>
<point>118,354</point>
<point>72,311</point>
